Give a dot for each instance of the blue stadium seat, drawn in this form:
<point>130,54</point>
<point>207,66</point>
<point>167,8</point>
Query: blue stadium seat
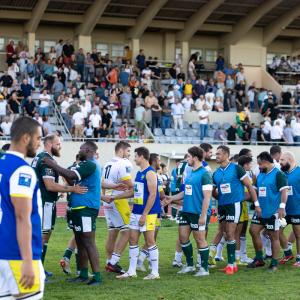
<point>226,126</point>
<point>186,125</point>
<point>169,132</point>
<point>190,133</point>
<point>179,132</point>
<point>195,125</point>
<point>158,132</point>
<point>215,125</point>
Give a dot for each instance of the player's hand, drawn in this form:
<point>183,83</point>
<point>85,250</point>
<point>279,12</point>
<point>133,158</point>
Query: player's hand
<point>77,189</point>
<point>166,201</point>
<point>142,221</point>
<point>202,220</point>
<point>48,161</point>
<point>61,195</point>
<point>105,198</point>
<point>27,275</point>
<point>281,213</point>
<point>121,187</point>
<point>258,211</point>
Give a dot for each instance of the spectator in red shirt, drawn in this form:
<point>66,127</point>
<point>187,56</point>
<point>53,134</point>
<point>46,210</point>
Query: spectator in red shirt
<point>123,131</point>
<point>112,76</point>
<point>10,49</point>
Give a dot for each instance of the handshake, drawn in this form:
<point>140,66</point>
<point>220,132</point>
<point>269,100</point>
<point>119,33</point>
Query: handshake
<point>166,201</point>
<point>107,198</point>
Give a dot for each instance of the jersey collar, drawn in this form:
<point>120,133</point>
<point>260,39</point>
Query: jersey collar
<point>270,171</point>
<point>48,153</point>
<point>291,170</point>
<point>21,155</point>
<point>224,169</point>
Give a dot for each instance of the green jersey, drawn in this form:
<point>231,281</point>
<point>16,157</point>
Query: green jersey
<point>179,173</point>
<point>43,171</point>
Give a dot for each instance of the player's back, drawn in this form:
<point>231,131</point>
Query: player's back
<point>18,179</point>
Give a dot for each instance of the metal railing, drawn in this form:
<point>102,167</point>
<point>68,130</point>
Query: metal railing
<point>291,108</point>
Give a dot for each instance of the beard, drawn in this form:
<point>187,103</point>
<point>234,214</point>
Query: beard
<point>81,157</point>
<point>55,152</point>
<point>31,152</point>
<point>285,167</point>
<point>263,170</point>
<point>207,158</point>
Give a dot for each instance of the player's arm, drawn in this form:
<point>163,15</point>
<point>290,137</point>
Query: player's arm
<point>282,185</point>
<point>52,186</point>
<point>215,193</point>
<point>207,187</point>
<point>22,185</point>
<point>128,194</point>
<point>176,199</point>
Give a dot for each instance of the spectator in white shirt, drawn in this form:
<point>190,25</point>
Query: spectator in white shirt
<point>3,107</point>
<point>177,113</point>
<point>240,76</point>
<point>178,63</point>
<point>38,118</point>
<point>273,66</point>
<point>88,103</point>
<point>62,109</point>
<point>279,119</point>
<point>44,106</point>
<point>84,111</point>
<point>204,122</point>
<point>199,103</point>
<point>96,120</point>
<point>251,98</point>
<point>147,81</point>
<point>5,126</point>
<point>267,129</point>
<point>114,116</point>
<point>171,97</point>
<point>220,93</point>
<point>59,48</point>
<point>276,133</point>
<point>78,121</point>
<point>192,70</point>
<point>210,98</point>
<point>188,103</point>
<point>296,132</point>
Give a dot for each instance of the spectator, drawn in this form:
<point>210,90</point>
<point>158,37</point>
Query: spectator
<point>204,122</point>
<point>199,103</point>
<point>89,68</point>
<point>84,111</point>
<point>218,105</point>
<point>220,93</point>
<point>239,100</point>
<point>276,133</point>
<point>157,77</point>
<point>27,89</point>
<point>141,60</point>
<point>126,101</point>
<point>287,98</point>
<point>59,47</point>
<point>48,71</point>
<point>227,100</point>
<point>179,63</point>
<point>39,58</point>
<point>210,98</point>
<point>229,83</point>
<point>220,79</point>
<point>95,83</point>
<point>44,103</point>
<point>78,122</point>
<point>251,98</point>
<point>288,134</point>
<point>6,80</point>
<point>5,94</point>
<point>128,69</point>
<point>114,116</point>
<point>177,93</point>
<point>56,89</point>
<point>219,135</point>
<point>171,97</point>
<point>147,81</point>
<point>106,70</point>
<point>162,98</point>
<point>236,70</point>
<point>132,136</point>
<point>68,50</point>
<point>198,89</point>
<point>46,127</point>
<point>112,76</point>
<point>52,54</point>
<point>145,91</point>
<point>194,80</point>
<point>99,66</point>
<point>260,134</point>
<point>38,118</point>
<point>80,58</point>
<point>123,131</point>
<point>219,65</point>
<point>11,72</point>
<point>296,132</point>
<point>240,76</point>
<point>128,54</point>
<point>31,72</point>
<point>72,65</point>
<point>147,71</point>
<point>192,70</point>
<point>155,109</point>
<point>10,49</point>
<point>228,71</point>
<point>89,130</point>
<point>240,87</point>
<point>29,107</point>
<point>279,119</point>
<point>6,126</point>
<point>262,93</point>
<point>25,50</point>
<point>177,113</point>
<point>149,101</point>
<point>107,119</point>
<point>211,86</point>
<point>11,60</point>
<point>232,134</point>
<point>188,88</point>
<point>172,74</point>
<point>188,103</point>
<point>139,117</point>
<point>124,78</point>
<point>62,109</point>
<point>23,62</point>
<point>181,75</point>
<point>19,48</point>
<point>117,62</point>
<point>96,120</point>
<point>103,134</point>
<point>3,107</point>
<point>166,115</point>
<point>266,106</point>
<point>267,129</point>
<point>99,92</point>
<point>13,106</point>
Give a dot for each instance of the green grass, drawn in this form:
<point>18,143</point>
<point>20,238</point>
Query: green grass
<point>245,284</point>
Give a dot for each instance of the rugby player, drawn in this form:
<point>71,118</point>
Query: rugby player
<point>229,180</point>
<point>292,173</point>
<point>49,186</point>
<point>117,213</point>
<point>196,200</point>
<point>272,186</point>
<point>144,214</point>
<point>173,189</point>
<point>21,270</point>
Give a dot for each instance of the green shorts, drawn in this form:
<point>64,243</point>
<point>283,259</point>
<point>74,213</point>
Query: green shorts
<point>49,216</point>
<point>84,219</point>
<point>270,224</point>
<point>190,219</point>
<point>230,212</point>
<point>139,124</point>
<point>69,215</point>
<point>294,220</point>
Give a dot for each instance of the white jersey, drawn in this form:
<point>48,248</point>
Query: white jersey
<point>116,171</point>
<point>257,170</point>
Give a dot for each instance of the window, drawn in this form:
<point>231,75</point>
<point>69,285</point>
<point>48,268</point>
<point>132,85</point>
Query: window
<point>117,50</point>
<point>177,52</point>
<point>270,57</point>
<point>2,44</point>
<point>211,55</point>
<point>103,48</point>
<point>48,45</point>
<point>37,43</point>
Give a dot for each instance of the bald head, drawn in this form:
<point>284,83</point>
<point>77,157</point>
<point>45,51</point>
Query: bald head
<point>287,161</point>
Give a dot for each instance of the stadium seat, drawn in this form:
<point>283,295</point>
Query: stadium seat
<point>150,124</point>
<point>215,125</point>
<point>226,125</point>
<point>119,121</point>
<point>211,133</point>
<point>162,139</point>
<point>196,142</point>
<point>158,132</point>
<point>195,125</point>
<point>186,125</point>
<point>179,132</point>
<point>175,140</point>
<point>206,138</point>
<point>172,124</point>
<point>169,132</point>
<point>198,133</point>
<point>190,133</point>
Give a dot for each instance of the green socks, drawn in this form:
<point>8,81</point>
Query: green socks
<point>259,255</point>
<point>84,272</point>
<point>188,252</point>
<point>298,257</point>
<point>180,213</point>
<point>274,261</point>
<point>174,211</point>
<point>44,252</point>
<point>287,251</point>
<point>97,277</point>
<point>68,253</point>
<point>204,254</point>
<point>231,246</point>
<point>77,260</point>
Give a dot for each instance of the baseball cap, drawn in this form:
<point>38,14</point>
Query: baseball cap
<point>82,100</point>
<point>44,81</point>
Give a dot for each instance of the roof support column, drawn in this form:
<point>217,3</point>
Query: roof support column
<point>169,46</point>
<point>85,42</point>
<point>185,57</point>
<point>31,43</point>
<point>134,45</point>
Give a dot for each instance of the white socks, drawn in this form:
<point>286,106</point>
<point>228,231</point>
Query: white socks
<point>269,248</point>
<point>133,256</point>
<point>143,254</point>
<point>220,247</point>
<point>178,256</point>
<point>153,253</point>
<point>237,255</point>
<point>198,258</point>
<point>243,245</point>
<point>266,244</point>
<point>115,258</point>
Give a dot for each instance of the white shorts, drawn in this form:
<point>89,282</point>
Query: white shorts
<point>49,216</point>
<point>117,214</point>
<point>149,224</point>
<point>10,274</point>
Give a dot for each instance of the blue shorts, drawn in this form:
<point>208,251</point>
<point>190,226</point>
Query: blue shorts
<point>44,111</point>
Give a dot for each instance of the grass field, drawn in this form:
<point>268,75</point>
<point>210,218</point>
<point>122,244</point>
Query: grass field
<point>245,284</point>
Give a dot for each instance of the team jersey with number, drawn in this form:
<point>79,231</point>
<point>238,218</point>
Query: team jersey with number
<point>89,174</point>
<point>293,201</point>
<point>228,180</point>
<point>43,171</point>
<point>116,171</point>
<point>18,179</point>
<point>196,182</point>
<point>269,187</point>
<point>141,193</point>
